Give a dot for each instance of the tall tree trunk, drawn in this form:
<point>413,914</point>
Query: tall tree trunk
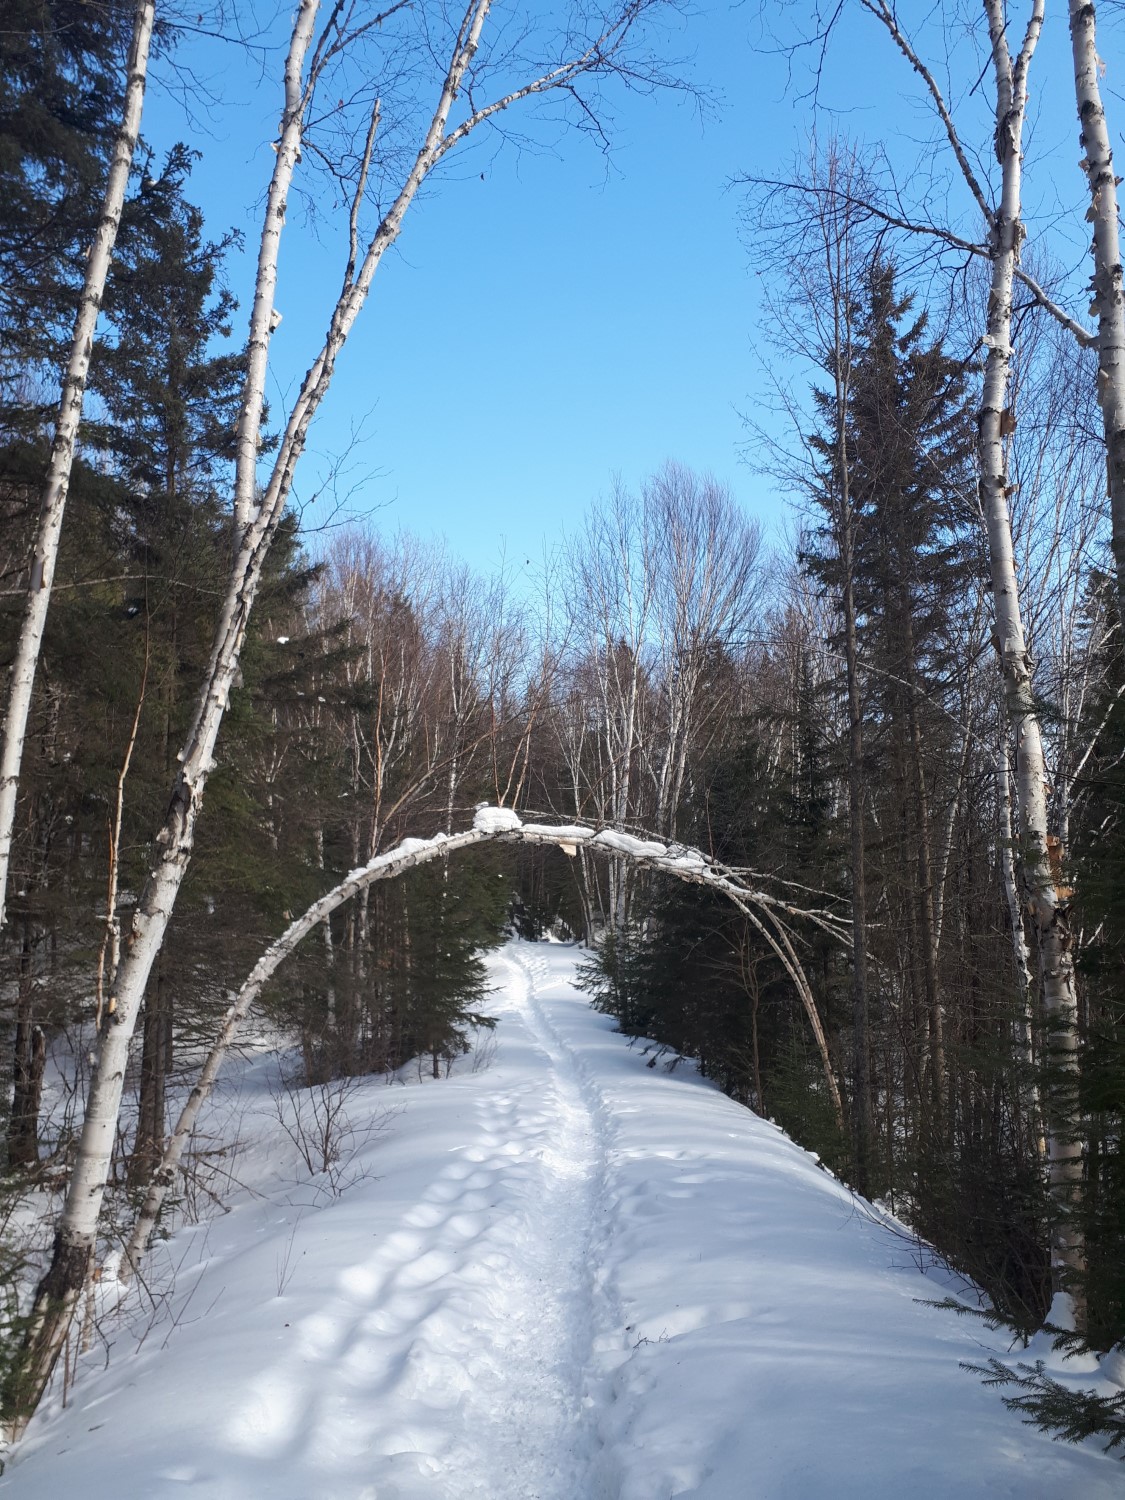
<point>863,1111</point>
<point>57,1294</point>
<point>52,504</point>
<point>28,1067</point>
<point>1109,292</point>
<point>1027,1093</point>
<point>148,1144</point>
<point>1046,911</point>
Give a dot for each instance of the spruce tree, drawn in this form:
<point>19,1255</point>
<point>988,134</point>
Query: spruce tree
<point>908,442</point>
<point>145,553</point>
<point>59,100</point>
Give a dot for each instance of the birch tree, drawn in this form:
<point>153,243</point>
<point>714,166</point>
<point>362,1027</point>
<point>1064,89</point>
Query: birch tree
<point>1044,907</point>
<point>610,592</point>
<point>662,586</point>
<point>590,50</point>
<point>1108,280</point>
<point>52,503</point>
<point>999,212</point>
<point>705,562</point>
<point>769,914</point>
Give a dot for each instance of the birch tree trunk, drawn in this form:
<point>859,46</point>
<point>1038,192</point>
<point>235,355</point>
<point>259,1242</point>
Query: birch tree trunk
<point>382,867</point>
<point>490,823</point>
<point>1109,292</point>
<point>257,517</point>
<point>1028,1100</point>
<point>57,1294</point>
<point>1047,913</point>
<point>52,503</point>
<point>1020,953</point>
<point>1042,903</point>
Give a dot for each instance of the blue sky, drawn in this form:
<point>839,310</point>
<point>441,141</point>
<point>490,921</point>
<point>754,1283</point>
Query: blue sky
<point>572,315</point>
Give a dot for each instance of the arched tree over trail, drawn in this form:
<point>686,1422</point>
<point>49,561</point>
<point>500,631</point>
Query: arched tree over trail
<point>770,914</point>
<point>468,66</point>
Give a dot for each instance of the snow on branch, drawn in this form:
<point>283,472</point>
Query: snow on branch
<point>765,912</point>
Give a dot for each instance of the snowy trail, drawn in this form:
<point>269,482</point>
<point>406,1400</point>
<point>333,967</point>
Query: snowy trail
<point>525,1428</point>
<point>566,1275</point>
<point>458,1349</point>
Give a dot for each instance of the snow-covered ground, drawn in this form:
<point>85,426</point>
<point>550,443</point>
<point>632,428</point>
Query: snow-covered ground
<point>563,1276</point>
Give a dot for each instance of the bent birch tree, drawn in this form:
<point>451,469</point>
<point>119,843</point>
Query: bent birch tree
<point>56,484</point>
<point>598,49</point>
<point>767,913</point>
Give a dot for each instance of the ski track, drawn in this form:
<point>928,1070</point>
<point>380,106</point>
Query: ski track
<point>478,1315</point>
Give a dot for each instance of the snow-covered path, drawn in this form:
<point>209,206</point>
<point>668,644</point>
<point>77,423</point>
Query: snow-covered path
<point>517,1338</point>
<point>563,1276</point>
<point>457,1349</point>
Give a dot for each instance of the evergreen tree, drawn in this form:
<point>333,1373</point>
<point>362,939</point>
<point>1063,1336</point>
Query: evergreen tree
<point>145,555</point>
<point>1098,829</point>
<point>169,389</point>
<point>909,441</point>
<point>59,100</point>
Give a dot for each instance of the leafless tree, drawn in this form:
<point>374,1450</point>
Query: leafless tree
<point>662,588</point>
<point>583,49</point>
<point>1108,280</point>
<point>707,593</point>
<point>1010,55</point>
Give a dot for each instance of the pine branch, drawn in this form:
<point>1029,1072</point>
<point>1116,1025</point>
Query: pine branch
<point>1069,1415</point>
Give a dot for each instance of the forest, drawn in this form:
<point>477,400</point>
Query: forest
<point>882,747</point>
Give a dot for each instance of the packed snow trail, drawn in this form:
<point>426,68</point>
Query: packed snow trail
<point>564,1275</point>
<point>473,1319</point>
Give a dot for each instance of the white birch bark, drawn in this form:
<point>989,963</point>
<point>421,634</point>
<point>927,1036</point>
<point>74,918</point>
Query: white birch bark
<point>76,1232</point>
<point>1021,954</point>
<point>383,867</point>
<point>1047,913</point>
<point>288,149</point>
<point>1108,284</point>
<point>52,504</point>
<point>1042,904</point>
<point>767,913</point>
<point>58,1291</point>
